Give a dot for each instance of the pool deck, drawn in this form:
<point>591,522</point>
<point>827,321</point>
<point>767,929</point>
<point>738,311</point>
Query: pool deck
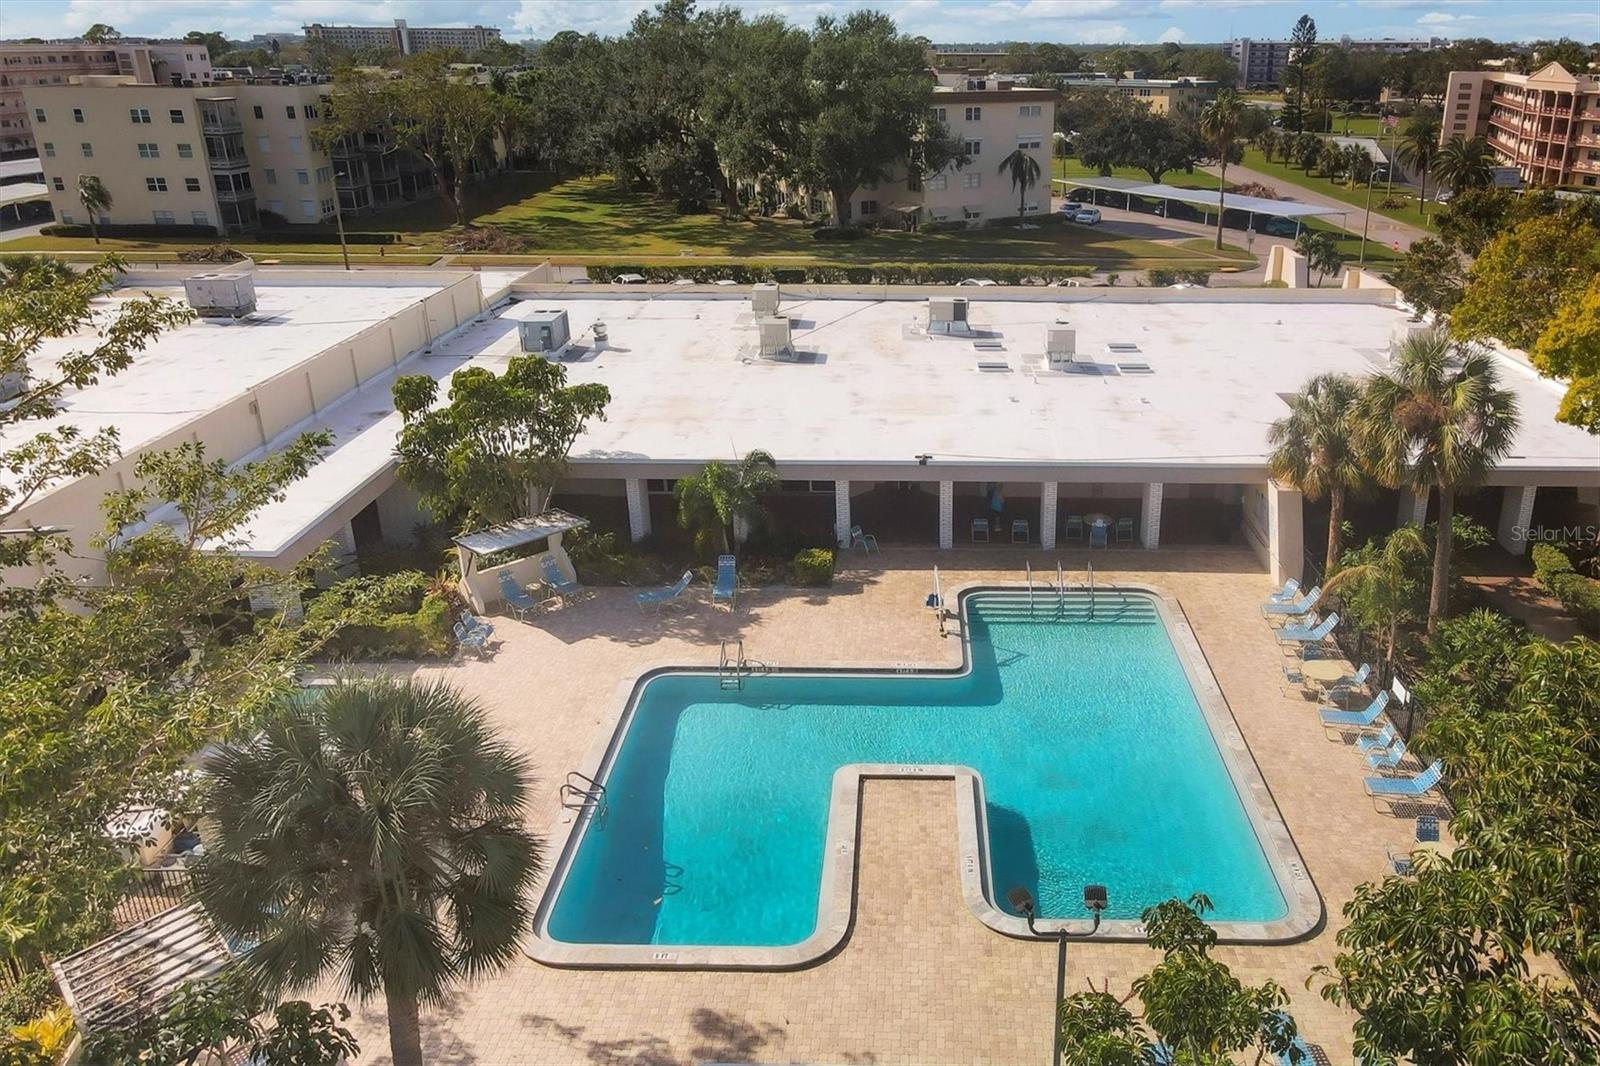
<point>919,979</point>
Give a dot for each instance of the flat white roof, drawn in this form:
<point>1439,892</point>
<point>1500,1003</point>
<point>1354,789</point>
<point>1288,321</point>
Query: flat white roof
<point>22,191</point>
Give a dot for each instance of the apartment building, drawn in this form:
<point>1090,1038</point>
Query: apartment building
<point>1546,124</point>
<point>185,156</point>
<point>28,65</point>
<point>1262,62</point>
<point>1164,96</point>
<point>404,39</point>
<point>963,58</point>
<point>993,116</point>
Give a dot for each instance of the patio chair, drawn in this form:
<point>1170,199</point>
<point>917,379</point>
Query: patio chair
<point>473,640</point>
<point>1074,527</point>
<point>1378,741</point>
<point>1019,531</point>
<point>472,621</point>
<point>1124,531</point>
<point>1293,607</point>
<point>659,598</point>
<point>1291,589</point>
<point>1427,828</point>
<point>515,597</point>
<point>1388,758</point>
<point>1304,635</point>
<point>1332,719</point>
<point>557,582</point>
<point>1301,1053</point>
<point>980,531</point>
<point>1350,682</point>
<point>1415,787</point>
<point>1097,534</point>
<point>865,541</point>
<point>727,586</point>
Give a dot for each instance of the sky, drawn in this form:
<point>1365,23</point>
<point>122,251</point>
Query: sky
<point>1066,21</point>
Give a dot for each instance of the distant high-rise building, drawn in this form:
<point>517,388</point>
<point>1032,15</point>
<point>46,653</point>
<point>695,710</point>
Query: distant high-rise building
<point>1263,62</point>
<point>405,40</point>
<point>1546,124</point>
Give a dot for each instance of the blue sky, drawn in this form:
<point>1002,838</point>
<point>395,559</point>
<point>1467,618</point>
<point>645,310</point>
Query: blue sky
<point>943,20</point>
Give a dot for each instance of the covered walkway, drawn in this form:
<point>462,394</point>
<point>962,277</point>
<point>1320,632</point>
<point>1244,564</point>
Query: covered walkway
<point>1205,199</point>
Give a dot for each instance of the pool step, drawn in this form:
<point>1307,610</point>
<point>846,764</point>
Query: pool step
<point>1108,605</point>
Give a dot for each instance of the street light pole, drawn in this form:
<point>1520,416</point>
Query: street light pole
<point>1094,898</point>
<point>1366,220</point>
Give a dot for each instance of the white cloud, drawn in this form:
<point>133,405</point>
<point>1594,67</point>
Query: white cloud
<point>1445,18</point>
<point>1173,34</point>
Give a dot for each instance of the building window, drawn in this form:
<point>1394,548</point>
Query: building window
<point>659,486</point>
<point>88,150</point>
<point>191,184</point>
<point>264,143</point>
<point>77,114</point>
<point>974,114</point>
<point>324,175</point>
<point>164,218</point>
<point>938,183</point>
<point>275,206</point>
<point>38,114</point>
<point>308,208</point>
<point>296,145</point>
<point>155,184</point>
<point>139,115</point>
<point>1030,111</point>
<point>65,217</point>
<point>176,116</point>
<point>869,207</point>
<point>58,185</point>
<point>149,151</point>
<point>272,176</point>
<point>185,151</point>
<point>309,110</point>
<point>939,114</point>
<point>1029,144</point>
<point>972,180</point>
<point>257,110</point>
<point>302,177</point>
<point>974,148</point>
<point>327,206</point>
<point>199,218</point>
<point>289,111</point>
<point>49,150</point>
<point>970,215</point>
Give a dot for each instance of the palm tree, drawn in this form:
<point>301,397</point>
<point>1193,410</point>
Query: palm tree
<point>1313,449</point>
<point>1024,171</point>
<point>96,200</point>
<point>1330,159</point>
<point>1219,126</point>
<point>375,831</point>
<point>1438,420</point>
<point>724,497</point>
<point>1417,148</point>
<point>1465,163</point>
<point>1383,588</point>
<point>49,269</point>
<point>1268,141</point>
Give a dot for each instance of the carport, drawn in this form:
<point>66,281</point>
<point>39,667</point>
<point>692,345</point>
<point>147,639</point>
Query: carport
<point>1205,199</point>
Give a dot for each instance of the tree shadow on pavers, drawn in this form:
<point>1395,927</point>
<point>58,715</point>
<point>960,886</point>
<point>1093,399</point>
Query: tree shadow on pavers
<point>440,1027</point>
<point>719,1036</point>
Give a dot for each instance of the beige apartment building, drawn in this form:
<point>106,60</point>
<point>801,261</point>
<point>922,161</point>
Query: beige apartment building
<point>185,156</point>
<point>24,66</point>
<point>403,39</point>
<point>1546,124</point>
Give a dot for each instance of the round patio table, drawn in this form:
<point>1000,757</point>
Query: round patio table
<point>1325,671</point>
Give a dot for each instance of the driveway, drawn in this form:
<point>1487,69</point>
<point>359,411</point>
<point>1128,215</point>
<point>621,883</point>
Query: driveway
<point>1398,235</point>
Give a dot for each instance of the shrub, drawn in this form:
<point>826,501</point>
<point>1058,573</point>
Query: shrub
<point>63,229</point>
<point>326,235</point>
<point>396,616</point>
<point>216,253</point>
<point>885,273</point>
<point>838,233</point>
<point>28,997</point>
<point>945,226</point>
<point>813,567</point>
<point>1577,593</point>
<point>600,560</point>
<point>1163,276</point>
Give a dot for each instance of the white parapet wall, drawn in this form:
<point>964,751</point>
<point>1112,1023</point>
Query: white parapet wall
<point>1287,266</point>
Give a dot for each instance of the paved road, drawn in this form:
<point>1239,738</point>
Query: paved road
<point>1387,230</point>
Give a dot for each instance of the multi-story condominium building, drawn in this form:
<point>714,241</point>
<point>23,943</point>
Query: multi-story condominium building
<point>1263,62</point>
<point>404,39</point>
<point>963,58</point>
<point>1167,95</point>
<point>1546,124</point>
<point>25,65</point>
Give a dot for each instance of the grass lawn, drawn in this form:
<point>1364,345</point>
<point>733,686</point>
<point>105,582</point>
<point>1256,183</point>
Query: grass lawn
<point>1070,167</point>
<point>1356,197</point>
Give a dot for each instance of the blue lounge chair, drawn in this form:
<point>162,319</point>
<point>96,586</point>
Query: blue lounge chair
<point>727,586</point>
<point>1393,788</point>
<point>1097,534</point>
<point>472,621</point>
<point>980,531</point>
<point>1313,635</point>
<point>1290,591</point>
<point>659,598</point>
<point>1378,741</point>
<point>515,597</point>
<point>865,541</point>
<point>473,640</point>
<point>1074,527</point>
<point>555,580</point>
<point>1293,607</point>
<point>1299,1054</point>
<point>1355,719</point>
<point>1351,682</point>
<point>1387,758</point>
<point>1124,531</point>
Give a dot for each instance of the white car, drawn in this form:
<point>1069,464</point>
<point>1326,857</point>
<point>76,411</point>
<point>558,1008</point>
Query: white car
<point>1089,216</point>
<point>976,281</point>
<point>628,279</point>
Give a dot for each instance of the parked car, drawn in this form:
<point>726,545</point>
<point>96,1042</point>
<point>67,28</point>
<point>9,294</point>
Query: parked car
<point>1081,196</point>
<point>976,281</point>
<point>1445,196</point>
<point>628,279</point>
<point>1089,216</point>
<point>1277,226</point>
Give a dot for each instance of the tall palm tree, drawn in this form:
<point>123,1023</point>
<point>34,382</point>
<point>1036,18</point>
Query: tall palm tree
<point>1313,449</point>
<point>1219,127</point>
<point>1438,420</point>
<point>1330,159</point>
<point>1268,141</point>
<point>724,497</point>
<point>375,831</point>
<point>1024,171</point>
<point>1465,163</point>
<point>96,200</point>
<point>1417,148</point>
<point>1384,586</point>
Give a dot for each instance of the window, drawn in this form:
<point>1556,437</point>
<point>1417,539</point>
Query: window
<point>257,110</point>
<point>974,148</point>
<point>974,114</point>
<point>308,208</point>
<point>49,150</point>
<point>296,145</point>
<point>309,110</point>
<point>1029,144</point>
<point>264,143</point>
<point>185,151</point>
<point>1030,207</point>
<point>164,218</point>
<point>302,177</point>
<point>275,206</point>
<point>140,116</point>
<point>1029,110</point>
<point>77,114</point>
<point>324,175</point>
<point>913,182</point>
<point>88,150</point>
<point>66,218</point>
<point>199,218</point>
<point>191,184</point>
<point>176,116</point>
<point>327,206</point>
<point>660,486</point>
<point>869,207</point>
<point>972,180</point>
<point>149,151</point>
<point>939,114</point>
<point>938,183</point>
<point>970,215</point>
<point>272,176</point>
<point>155,184</point>
<point>38,114</point>
<point>58,185</point>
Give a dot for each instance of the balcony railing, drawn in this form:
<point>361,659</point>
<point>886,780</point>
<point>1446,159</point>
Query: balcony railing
<point>235,196</point>
<point>220,123</point>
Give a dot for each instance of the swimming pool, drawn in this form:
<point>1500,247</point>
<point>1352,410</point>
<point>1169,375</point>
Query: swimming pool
<point>1092,760</point>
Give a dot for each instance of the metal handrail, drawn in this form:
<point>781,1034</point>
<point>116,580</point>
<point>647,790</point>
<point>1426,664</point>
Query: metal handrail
<point>1091,592</point>
<point>1061,590</point>
<point>580,796</point>
<point>1029,568</point>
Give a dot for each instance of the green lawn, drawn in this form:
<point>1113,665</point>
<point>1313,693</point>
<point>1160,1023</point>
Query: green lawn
<point>1356,197</point>
<point>1070,167</point>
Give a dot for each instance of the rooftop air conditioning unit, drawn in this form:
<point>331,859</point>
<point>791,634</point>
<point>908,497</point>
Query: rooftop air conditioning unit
<point>1060,344</point>
<point>947,314</point>
<point>223,294</point>
<point>764,300</point>
<point>774,333</point>
<point>1404,332</point>
<point>546,330</point>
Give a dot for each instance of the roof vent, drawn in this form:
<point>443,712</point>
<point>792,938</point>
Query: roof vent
<point>223,294</point>
<point>764,300</point>
<point>948,314</point>
<point>1116,348</point>
<point>1060,344</point>
<point>774,338</point>
<point>546,330</point>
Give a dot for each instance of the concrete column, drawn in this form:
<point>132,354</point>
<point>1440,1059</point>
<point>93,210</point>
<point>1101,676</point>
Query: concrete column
<point>1048,492</point>
<point>1413,508</point>
<point>841,513</point>
<point>1516,514</point>
<point>1150,531</point>
<point>638,508</point>
<point>342,552</point>
<point>1286,533</point>
<point>947,514</point>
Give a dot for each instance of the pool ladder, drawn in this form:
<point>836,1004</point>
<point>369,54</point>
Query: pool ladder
<point>1091,592</point>
<point>733,667</point>
<point>580,792</point>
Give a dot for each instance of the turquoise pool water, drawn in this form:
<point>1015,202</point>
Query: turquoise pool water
<point>1097,765</point>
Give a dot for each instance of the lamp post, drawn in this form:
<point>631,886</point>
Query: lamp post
<point>1094,900</point>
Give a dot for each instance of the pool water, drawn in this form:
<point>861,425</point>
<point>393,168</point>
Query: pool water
<point>1097,763</point>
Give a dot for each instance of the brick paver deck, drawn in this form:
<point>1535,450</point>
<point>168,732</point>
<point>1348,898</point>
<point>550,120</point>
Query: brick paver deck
<point>920,980</point>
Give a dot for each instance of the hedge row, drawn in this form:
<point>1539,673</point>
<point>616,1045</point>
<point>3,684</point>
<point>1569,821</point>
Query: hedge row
<point>62,229</point>
<point>1578,594</point>
<point>320,235</point>
<point>865,274</point>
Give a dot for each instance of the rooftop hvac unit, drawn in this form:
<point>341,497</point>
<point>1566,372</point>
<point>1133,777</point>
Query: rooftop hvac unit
<point>774,338</point>
<point>224,294</point>
<point>545,330</point>
<point>1404,332</point>
<point>764,300</point>
<point>947,314</point>
<point>1060,344</point>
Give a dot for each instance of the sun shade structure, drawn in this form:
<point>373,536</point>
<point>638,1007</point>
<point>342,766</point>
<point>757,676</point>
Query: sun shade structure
<point>1204,198</point>
<point>481,583</point>
<point>520,531</point>
<point>134,972</point>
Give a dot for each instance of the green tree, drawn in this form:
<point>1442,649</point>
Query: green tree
<point>1313,449</point>
<point>1321,252</point>
<point>1417,148</point>
<point>29,270</point>
<point>755,106</point>
<point>1023,170</point>
<point>1465,163</point>
<point>100,33</point>
<point>216,42</point>
<point>1381,588</point>
<point>1430,276</point>
<point>376,830</point>
<point>1438,420</point>
<point>1302,56</point>
<point>96,201</point>
<point>1569,347</point>
<point>1524,275</point>
<point>724,499</point>
<point>495,451</point>
<point>1157,144</point>
<point>1219,126</point>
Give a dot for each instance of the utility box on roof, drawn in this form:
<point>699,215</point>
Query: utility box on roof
<point>775,342</point>
<point>1060,344</point>
<point>222,294</point>
<point>764,300</point>
<point>947,314</point>
<point>546,330</point>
